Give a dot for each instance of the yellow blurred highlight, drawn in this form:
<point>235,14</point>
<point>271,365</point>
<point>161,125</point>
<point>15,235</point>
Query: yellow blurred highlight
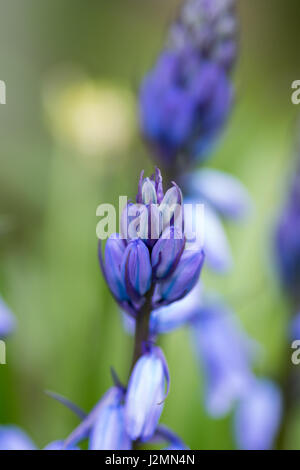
<point>95,118</point>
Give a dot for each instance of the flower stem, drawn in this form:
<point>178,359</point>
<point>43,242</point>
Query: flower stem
<point>142,329</point>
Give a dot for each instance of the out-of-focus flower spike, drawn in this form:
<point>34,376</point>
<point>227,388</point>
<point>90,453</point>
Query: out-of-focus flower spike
<point>258,415</point>
<point>225,357</point>
<point>295,327</point>
<point>222,191</point>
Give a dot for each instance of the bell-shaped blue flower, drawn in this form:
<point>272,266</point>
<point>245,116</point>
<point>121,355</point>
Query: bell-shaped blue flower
<point>108,431</point>
<point>182,281</point>
<point>104,425</point>
<point>145,394</point>
<point>258,415</point>
<point>136,269</point>
<point>225,353</point>
<point>221,191</point>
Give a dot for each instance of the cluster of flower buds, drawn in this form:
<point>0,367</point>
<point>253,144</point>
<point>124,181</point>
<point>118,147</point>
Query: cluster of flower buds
<point>210,26</point>
<point>186,98</point>
<point>149,258</point>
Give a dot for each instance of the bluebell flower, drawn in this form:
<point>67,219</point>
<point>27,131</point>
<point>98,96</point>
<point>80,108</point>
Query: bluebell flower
<point>145,394</point>
<point>184,103</point>
<point>7,320</point>
<point>104,426</point>
<point>225,353</point>
<point>138,262</point>
<point>210,26</point>
<point>222,196</point>
<point>258,415</point>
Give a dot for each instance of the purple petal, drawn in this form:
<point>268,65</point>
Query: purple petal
<point>258,415</point>
<point>136,267</point>
<point>225,357</point>
<point>183,279</point>
<point>108,432</point>
<point>224,192</point>
<point>167,252</point>
<point>13,438</point>
<point>7,320</point>
<point>145,392</point>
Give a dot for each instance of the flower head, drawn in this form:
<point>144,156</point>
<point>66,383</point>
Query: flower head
<point>149,257</point>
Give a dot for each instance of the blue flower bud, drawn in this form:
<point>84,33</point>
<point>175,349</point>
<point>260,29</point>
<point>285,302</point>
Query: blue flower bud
<point>167,252</point>
<point>104,426</point>
<point>171,208</point>
<point>149,192</point>
<point>145,393</point>
<point>114,254</point>
<point>108,431</point>
<point>258,416</point>
<point>136,268</point>
<point>182,281</point>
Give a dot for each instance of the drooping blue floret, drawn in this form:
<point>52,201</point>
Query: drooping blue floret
<point>258,415</point>
<point>225,354</point>
<point>145,395</point>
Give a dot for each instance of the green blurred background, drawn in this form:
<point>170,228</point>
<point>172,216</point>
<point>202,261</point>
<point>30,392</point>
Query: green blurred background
<point>68,142</point>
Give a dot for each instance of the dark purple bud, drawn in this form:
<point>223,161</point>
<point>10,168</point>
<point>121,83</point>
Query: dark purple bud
<point>114,253</point>
<point>136,268</point>
<point>167,252</point>
<point>182,280</point>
